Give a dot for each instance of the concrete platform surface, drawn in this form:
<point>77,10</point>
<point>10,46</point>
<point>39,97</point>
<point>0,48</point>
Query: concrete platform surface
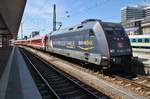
<point>16,81</point>
<point>4,56</point>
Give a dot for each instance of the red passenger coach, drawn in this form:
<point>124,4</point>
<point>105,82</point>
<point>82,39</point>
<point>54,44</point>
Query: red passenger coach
<point>37,41</point>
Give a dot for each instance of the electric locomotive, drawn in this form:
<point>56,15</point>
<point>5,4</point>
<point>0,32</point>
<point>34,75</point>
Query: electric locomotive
<point>92,41</point>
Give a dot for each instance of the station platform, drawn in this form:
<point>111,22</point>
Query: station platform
<point>4,55</point>
<point>15,79</point>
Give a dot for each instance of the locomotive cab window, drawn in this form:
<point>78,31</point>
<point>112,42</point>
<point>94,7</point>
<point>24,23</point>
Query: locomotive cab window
<point>120,32</point>
<point>140,40</point>
<point>146,40</point>
<point>116,31</point>
<point>110,32</point>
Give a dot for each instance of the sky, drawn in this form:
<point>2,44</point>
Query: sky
<point>38,14</point>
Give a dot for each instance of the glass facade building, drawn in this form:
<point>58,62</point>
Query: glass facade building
<point>132,13</point>
<point>147,11</point>
<point>136,19</point>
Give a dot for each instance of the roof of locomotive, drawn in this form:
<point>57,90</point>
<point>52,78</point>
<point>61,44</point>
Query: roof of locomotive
<point>85,25</point>
<point>79,27</point>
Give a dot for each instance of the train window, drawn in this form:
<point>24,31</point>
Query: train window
<point>80,27</point>
<point>139,40</point>
<point>110,32</point>
<point>91,33</point>
<point>133,40</point>
<point>146,40</point>
<point>70,28</point>
<point>118,28</point>
<point>115,31</point>
<point>120,32</point>
<point>108,28</point>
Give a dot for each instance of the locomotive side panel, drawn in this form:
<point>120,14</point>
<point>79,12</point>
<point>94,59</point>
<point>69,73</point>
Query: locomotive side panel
<point>81,45</point>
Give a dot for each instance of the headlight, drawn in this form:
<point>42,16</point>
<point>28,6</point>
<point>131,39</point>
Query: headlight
<point>129,50</point>
<point>112,50</point>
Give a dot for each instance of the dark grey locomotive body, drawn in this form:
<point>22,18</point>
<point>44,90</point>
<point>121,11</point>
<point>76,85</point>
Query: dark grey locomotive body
<point>92,41</point>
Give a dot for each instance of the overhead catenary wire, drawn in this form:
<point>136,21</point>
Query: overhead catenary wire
<point>87,9</point>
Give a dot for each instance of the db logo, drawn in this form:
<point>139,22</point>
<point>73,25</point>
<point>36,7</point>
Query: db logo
<point>120,45</point>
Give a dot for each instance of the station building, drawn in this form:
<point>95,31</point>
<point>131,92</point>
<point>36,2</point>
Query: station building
<point>145,25</point>
<point>136,19</point>
<point>133,27</point>
<point>147,11</point>
<point>11,12</point>
<point>132,13</point>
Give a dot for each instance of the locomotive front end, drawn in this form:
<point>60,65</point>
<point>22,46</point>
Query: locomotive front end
<point>120,49</point>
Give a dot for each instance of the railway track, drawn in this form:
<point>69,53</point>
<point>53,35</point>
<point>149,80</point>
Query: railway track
<point>139,84</point>
<point>144,80</point>
<point>55,84</point>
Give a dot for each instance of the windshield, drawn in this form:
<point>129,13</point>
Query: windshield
<point>116,31</point>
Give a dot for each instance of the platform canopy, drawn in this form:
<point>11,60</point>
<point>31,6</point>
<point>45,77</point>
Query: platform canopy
<point>11,12</point>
